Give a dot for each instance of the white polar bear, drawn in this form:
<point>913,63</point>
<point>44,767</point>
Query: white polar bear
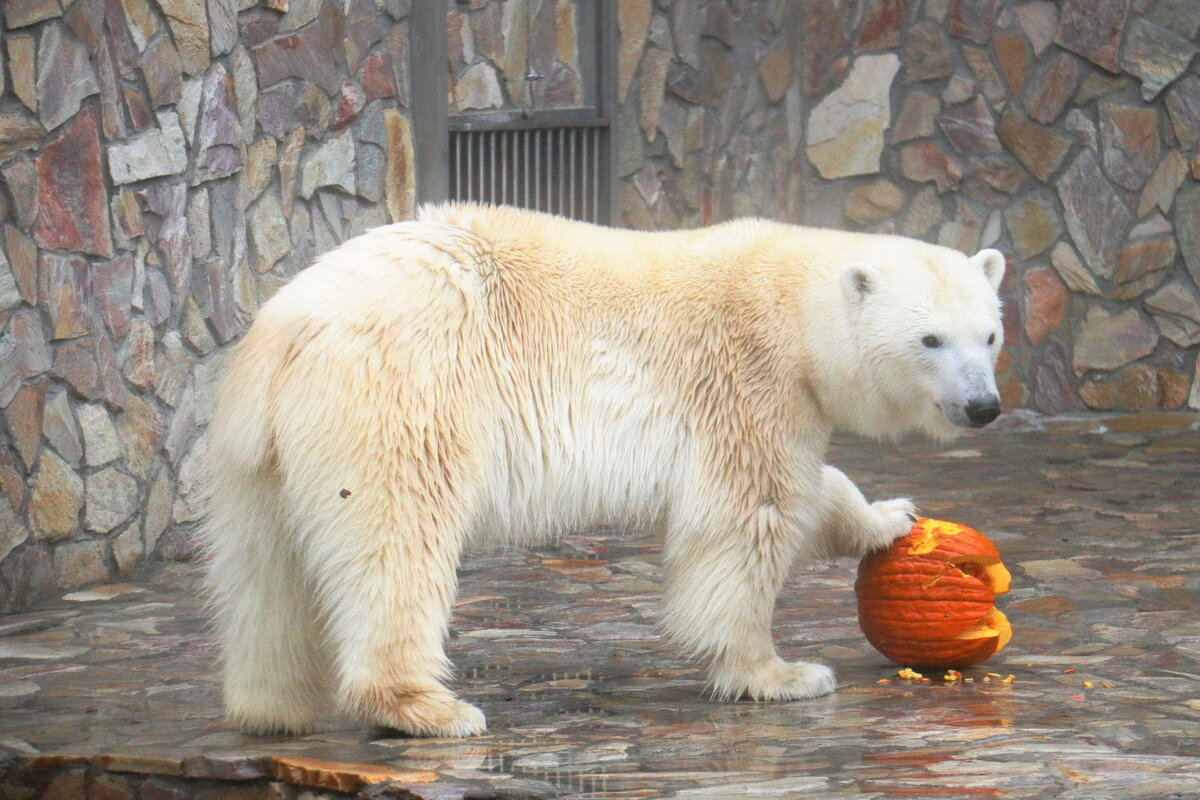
<point>491,373</point>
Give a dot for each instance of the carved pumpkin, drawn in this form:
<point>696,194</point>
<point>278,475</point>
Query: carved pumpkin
<point>929,599</point>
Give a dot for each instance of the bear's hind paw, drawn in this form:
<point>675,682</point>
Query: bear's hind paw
<point>427,713</point>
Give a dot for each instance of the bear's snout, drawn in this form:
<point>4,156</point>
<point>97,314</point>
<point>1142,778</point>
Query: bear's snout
<point>982,410</point>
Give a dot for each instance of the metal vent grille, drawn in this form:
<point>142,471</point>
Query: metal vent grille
<point>558,170</point>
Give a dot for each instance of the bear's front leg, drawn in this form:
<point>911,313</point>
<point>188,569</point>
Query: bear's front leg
<point>723,573</point>
<point>850,526</point>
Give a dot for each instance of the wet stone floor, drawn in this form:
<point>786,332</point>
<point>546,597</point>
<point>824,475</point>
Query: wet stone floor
<point>111,693</point>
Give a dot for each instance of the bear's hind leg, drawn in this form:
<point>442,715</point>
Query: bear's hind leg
<point>388,585</point>
<point>274,673</point>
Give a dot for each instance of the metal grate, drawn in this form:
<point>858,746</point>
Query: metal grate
<point>560,170</point>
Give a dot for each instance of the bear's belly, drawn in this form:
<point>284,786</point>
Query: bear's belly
<point>610,452</point>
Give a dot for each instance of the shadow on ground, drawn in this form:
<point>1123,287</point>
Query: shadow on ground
<point>111,693</point>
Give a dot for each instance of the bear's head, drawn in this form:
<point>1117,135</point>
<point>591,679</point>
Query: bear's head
<point>924,322</point>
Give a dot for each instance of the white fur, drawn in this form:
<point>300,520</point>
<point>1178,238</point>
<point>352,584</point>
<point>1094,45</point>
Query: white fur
<point>493,375</point>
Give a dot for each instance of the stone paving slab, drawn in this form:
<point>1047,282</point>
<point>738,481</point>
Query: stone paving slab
<point>111,692</point>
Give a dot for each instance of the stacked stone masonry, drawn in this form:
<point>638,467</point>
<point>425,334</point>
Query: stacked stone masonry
<point>166,165</point>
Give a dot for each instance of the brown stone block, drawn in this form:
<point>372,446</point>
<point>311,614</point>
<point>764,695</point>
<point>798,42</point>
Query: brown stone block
<point>1045,303</point>
<point>1094,213</point>
<point>22,64</point>
<point>12,480</point>
<point>1039,149</point>
<point>148,763</point>
<point>823,44</point>
<point>376,78</point>
<point>338,776</point>
<point>24,418</point>
<point>973,19</point>
<point>1141,266</point>
<point>1012,54</point>
<point>1053,388</point>
<point>225,766</point>
<point>72,200</point>
<point>1137,387</point>
<point>22,259</point>
<point>22,13</point>
<point>923,213</point>
<point>1047,95</point>
<point>926,162</point>
<point>22,179</point>
<point>915,118</point>
<point>1183,104</point>
<point>1160,190</point>
<point>1008,381</point>
<point>775,72</point>
<point>1093,28</point>
<point>67,785</point>
<point>138,107</point>
<point>1110,341</point>
<point>188,22</point>
<point>106,786</point>
<point>1155,55</point>
<point>1000,174</point>
<point>873,202</point>
<point>651,89</point>
<point>927,52</point>
<point>880,27</point>
<point>987,78</point>
<point>1130,139</point>
<point>64,292</point>
<point>56,499</point>
<point>1176,309</point>
<point>314,53</point>
<point>970,129</point>
<point>163,72</point>
<point>75,363</point>
<point>27,355</point>
<point>18,131</point>
<point>220,148</point>
<point>1033,224</point>
<point>399,183</point>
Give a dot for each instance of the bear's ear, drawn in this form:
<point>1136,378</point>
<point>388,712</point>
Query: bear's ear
<point>858,280</point>
<point>992,263</point>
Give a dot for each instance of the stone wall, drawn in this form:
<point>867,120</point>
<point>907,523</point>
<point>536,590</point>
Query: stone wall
<point>1066,134</point>
<point>710,123</point>
<point>494,44</point>
<point>166,165</point>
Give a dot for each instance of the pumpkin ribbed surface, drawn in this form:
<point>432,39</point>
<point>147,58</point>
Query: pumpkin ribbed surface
<point>929,599</point>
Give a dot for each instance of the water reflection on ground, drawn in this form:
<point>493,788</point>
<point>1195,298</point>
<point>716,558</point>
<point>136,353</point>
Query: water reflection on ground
<point>1098,520</point>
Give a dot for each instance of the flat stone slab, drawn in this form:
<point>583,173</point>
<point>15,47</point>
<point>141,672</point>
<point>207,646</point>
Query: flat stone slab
<point>1096,517</point>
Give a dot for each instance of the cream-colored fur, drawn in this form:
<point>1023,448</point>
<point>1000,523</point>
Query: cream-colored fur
<point>497,375</point>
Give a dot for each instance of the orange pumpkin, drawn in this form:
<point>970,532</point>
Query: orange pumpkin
<point>929,599</point>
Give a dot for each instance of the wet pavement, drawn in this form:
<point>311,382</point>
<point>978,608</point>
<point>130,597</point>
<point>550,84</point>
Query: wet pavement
<point>112,693</point>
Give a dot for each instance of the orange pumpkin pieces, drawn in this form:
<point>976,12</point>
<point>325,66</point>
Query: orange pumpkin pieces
<point>929,599</point>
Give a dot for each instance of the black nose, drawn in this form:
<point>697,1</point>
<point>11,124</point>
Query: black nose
<point>982,411</point>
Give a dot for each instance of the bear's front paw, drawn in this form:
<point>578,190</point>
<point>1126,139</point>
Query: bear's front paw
<point>893,519</point>
<point>777,681</point>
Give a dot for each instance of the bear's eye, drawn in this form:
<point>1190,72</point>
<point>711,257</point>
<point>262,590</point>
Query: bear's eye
<point>931,341</point>
<point>991,338</point>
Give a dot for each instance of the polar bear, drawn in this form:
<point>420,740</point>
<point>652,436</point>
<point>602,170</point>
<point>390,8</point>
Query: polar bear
<point>497,374</point>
